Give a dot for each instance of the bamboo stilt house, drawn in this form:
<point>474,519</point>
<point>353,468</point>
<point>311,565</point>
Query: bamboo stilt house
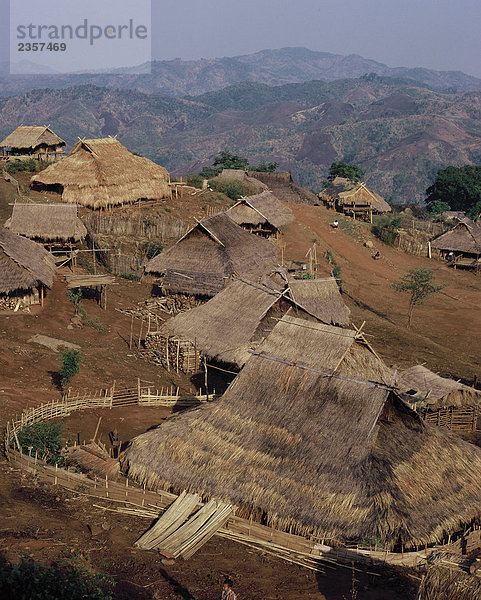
<point>311,439</point>
<point>37,142</point>
<point>262,214</point>
<point>26,269</point>
<point>237,319</point>
<point>444,402</point>
<point>47,223</point>
<point>464,241</point>
<point>353,198</point>
<point>203,260</point>
<point>101,173</point>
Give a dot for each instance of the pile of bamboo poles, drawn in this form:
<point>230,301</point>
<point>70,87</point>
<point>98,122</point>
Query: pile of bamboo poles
<point>172,352</point>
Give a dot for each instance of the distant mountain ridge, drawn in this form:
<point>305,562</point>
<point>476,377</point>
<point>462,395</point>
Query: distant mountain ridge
<point>270,67</point>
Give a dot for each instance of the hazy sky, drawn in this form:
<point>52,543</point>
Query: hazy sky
<point>438,34</point>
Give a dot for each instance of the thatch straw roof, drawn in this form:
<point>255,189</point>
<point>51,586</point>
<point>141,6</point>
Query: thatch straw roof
<point>346,192</point>
<point>436,391</point>
<point>31,137</point>
<point>464,237</point>
<point>238,318</point>
<point>443,582</point>
<point>340,457</point>
<point>240,175</point>
<point>261,209</point>
<point>321,298</point>
<point>47,222</point>
<point>23,264</point>
<point>209,253</point>
<point>283,186</point>
<point>101,172</point>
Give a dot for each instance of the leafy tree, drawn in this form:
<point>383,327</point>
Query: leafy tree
<point>348,170</point>
<point>438,207</point>
<point>264,167</point>
<point>475,211</point>
<point>70,360</point>
<point>45,438</point>
<point>227,160</point>
<point>458,187</point>
<point>419,284</point>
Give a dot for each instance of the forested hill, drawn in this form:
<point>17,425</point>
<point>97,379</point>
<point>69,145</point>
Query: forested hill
<point>400,133</point>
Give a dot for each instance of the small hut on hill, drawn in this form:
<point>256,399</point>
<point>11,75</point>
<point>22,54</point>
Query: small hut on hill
<point>262,214</point>
<point>101,173</point>
<point>201,262</point>
<point>354,199</point>
<point>284,188</point>
<point>26,269</point>
<point>238,318</point>
<point>37,142</point>
<point>49,224</point>
<point>464,241</point>
<point>311,439</point>
<point>444,402</point>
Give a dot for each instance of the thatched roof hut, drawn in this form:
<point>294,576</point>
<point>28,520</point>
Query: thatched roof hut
<point>100,173</point>
<point>310,439</point>
<point>283,186</point>
<point>24,264</point>
<point>262,213</point>
<point>238,318</point>
<point>433,391</point>
<point>239,175</point>
<point>47,222</point>
<point>208,254</point>
<point>352,196</point>
<point>464,239</point>
<point>33,140</point>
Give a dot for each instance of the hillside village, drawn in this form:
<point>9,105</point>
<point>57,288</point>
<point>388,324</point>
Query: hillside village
<point>237,374</point>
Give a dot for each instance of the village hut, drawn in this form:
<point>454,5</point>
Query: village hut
<point>442,401</point>
<point>26,269</point>
<point>463,241</point>
<point>311,439</point>
<point>354,199</point>
<point>262,214</point>
<point>202,261</point>
<point>284,188</point>
<point>49,224</point>
<point>101,173</point>
<point>237,319</point>
<point>37,142</point>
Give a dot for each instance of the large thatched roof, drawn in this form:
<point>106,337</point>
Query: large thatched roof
<point>101,172</point>
<point>31,137</point>
<point>23,264</point>
<point>47,222</point>
<point>435,391</point>
<point>465,237</point>
<point>340,457</point>
<point>209,253</point>
<point>345,191</point>
<point>321,298</point>
<point>238,318</point>
<point>261,209</point>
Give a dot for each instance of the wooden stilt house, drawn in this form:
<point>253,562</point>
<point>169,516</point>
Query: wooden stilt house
<point>262,214</point>
<point>354,199</point>
<point>34,142</point>
<point>464,242</point>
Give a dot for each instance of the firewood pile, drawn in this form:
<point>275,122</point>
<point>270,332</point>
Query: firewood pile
<point>172,352</point>
<point>10,303</point>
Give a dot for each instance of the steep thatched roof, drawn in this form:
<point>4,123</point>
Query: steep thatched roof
<point>338,456</point>
<point>443,582</point>
<point>260,209</point>
<point>436,391</point>
<point>209,253</point>
<point>31,137</point>
<point>321,298</point>
<point>283,186</point>
<point>347,192</point>
<point>47,222</point>
<point>464,237</point>
<point>101,172</point>
<point>23,264</point>
<point>238,318</point>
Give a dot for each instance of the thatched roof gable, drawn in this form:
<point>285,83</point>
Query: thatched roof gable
<point>47,222</point>
<point>31,137</point>
<point>23,264</point>
<point>337,186</point>
<point>436,391</point>
<point>321,298</point>
<point>340,457</point>
<point>464,237</point>
<point>260,209</point>
<point>101,172</point>
<point>209,253</point>
<point>346,191</point>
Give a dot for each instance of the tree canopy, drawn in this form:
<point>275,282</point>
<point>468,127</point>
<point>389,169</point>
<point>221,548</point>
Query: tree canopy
<point>419,284</point>
<point>228,160</point>
<point>348,170</point>
<point>456,188</point>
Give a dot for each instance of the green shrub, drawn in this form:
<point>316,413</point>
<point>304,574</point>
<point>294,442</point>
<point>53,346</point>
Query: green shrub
<point>29,580</point>
<point>45,438</point>
<point>234,189</point>
<point>95,323</point>
<point>196,181</point>
<point>386,229</point>
<point>150,250</point>
<point>70,360</point>
<point>29,164</point>
<point>130,276</point>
